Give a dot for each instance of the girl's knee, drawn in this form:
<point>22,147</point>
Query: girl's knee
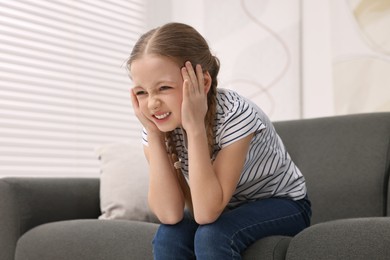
<point>209,238</point>
<point>206,234</point>
<point>169,234</point>
<point>172,241</point>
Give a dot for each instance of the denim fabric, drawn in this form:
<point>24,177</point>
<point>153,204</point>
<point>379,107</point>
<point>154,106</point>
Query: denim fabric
<point>233,231</point>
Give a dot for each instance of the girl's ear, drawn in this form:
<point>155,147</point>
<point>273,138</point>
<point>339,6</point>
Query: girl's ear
<point>207,81</point>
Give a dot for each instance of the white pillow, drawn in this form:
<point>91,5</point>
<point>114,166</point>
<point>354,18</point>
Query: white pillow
<point>124,182</point>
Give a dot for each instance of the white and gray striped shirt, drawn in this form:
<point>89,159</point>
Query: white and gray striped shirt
<point>268,169</point>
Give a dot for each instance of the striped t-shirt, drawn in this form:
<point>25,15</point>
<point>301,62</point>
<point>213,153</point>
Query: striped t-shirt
<point>268,169</point>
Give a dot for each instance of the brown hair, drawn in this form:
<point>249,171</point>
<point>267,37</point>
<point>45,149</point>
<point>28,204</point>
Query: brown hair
<point>181,43</point>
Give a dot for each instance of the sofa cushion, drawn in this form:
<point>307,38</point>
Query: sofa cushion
<point>345,162</point>
<point>113,239</point>
<point>124,182</point>
<point>88,240</point>
<point>351,239</point>
<point>274,247</point>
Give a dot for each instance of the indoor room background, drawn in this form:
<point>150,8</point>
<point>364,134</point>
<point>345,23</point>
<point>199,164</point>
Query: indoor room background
<point>64,88</point>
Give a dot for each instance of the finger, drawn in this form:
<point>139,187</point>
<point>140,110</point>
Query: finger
<point>184,74</point>
<point>192,75</point>
<point>187,82</point>
<point>135,103</point>
<point>134,99</point>
<point>200,77</point>
<point>185,87</point>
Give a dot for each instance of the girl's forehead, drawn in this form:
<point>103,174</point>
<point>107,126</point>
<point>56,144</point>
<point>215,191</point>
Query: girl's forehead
<point>152,70</point>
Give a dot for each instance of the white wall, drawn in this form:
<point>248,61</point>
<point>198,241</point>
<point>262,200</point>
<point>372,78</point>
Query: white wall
<point>317,83</point>
<point>361,55</point>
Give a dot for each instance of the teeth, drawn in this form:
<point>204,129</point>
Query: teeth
<point>162,116</point>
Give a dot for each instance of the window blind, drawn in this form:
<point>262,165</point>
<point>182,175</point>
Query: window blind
<point>64,88</point>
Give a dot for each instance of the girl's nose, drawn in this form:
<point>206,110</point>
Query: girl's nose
<point>154,103</point>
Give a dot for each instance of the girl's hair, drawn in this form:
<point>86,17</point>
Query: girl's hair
<point>181,43</point>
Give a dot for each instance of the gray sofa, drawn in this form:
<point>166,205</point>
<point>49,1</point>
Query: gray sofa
<point>345,159</point>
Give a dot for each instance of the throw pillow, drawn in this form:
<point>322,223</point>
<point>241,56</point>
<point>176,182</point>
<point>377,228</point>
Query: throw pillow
<point>124,182</point>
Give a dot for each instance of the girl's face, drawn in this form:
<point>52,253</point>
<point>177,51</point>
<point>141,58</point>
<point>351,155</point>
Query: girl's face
<point>158,85</point>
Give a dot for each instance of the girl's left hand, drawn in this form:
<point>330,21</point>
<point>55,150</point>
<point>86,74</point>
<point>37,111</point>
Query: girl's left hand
<point>194,106</point>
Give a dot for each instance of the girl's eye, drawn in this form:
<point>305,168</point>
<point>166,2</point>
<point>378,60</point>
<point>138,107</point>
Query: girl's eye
<point>140,92</point>
<point>165,88</point>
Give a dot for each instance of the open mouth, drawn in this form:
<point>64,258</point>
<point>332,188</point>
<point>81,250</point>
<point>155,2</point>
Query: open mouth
<point>162,116</point>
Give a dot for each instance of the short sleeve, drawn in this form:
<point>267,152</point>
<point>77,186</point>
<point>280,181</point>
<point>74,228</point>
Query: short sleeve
<point>239,121</point>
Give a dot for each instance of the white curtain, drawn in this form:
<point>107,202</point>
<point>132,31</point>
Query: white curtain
<point>63,83</point>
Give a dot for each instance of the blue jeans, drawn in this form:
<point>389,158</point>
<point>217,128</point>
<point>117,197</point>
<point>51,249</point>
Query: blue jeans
<point>233,231</point>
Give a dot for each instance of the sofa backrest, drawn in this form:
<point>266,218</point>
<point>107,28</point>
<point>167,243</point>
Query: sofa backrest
<point>345,160</point>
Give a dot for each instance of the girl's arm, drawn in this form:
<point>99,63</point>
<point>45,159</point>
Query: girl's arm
<point>211,185</point>
<point>165,196</point>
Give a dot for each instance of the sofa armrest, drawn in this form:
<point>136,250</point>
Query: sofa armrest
<point>29,202</point>
<point>360,238</point>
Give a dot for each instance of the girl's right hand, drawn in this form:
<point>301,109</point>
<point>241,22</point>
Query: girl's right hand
<point>148,124</point>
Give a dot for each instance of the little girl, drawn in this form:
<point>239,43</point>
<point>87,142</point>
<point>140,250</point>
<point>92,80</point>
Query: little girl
<point>220,176</point>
